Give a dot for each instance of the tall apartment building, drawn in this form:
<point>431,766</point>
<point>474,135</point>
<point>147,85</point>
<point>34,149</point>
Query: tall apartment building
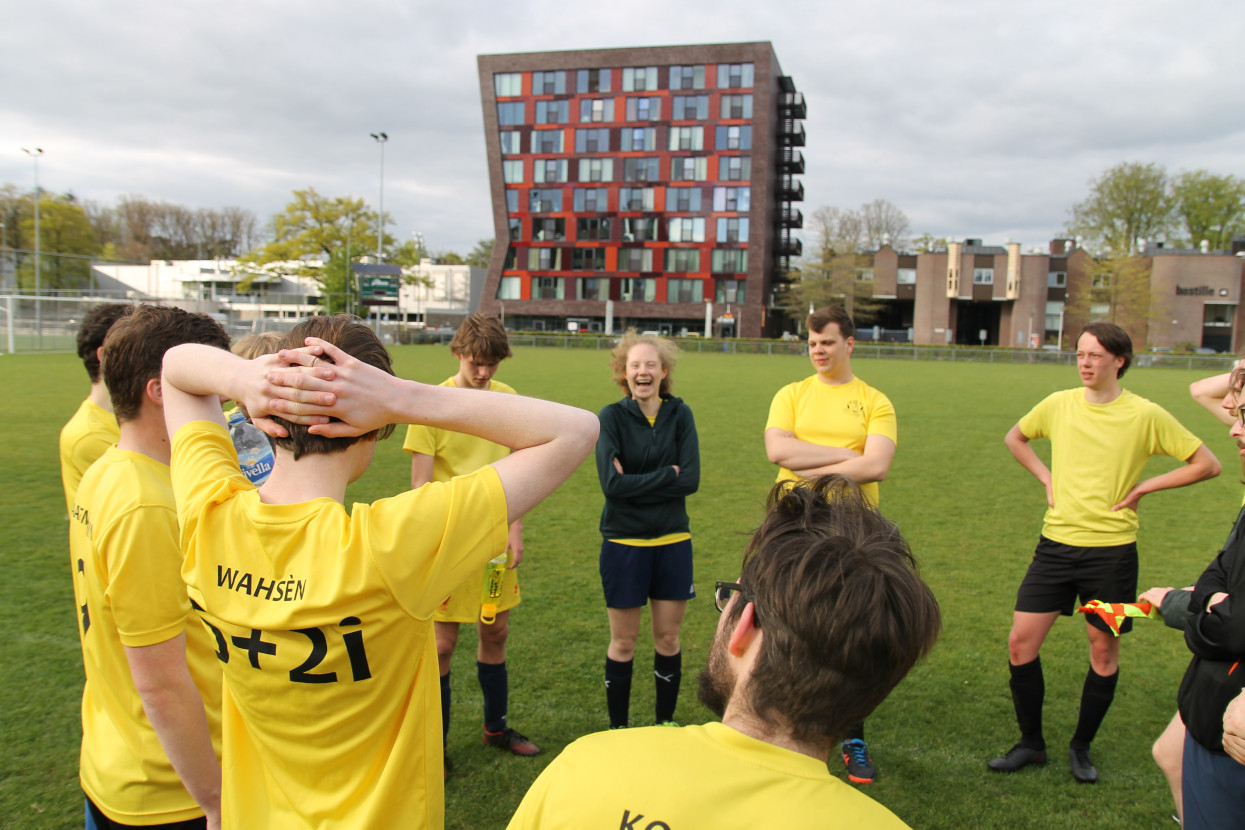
<point>651,187</point>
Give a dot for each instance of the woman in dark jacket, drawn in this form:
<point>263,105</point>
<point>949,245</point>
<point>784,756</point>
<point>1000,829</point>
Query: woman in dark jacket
<point>648,461</point>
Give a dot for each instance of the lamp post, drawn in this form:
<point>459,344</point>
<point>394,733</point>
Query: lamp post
<point>34,155</point>
<point>380,139</point>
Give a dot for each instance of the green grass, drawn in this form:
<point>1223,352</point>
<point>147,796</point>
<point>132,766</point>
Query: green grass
<point>971,513</point>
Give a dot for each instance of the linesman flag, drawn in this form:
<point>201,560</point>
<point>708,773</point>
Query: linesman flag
<point>1113,612</point>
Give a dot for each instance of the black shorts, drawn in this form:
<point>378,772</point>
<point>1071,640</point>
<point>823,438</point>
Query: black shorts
<point>631,574</point>
<point>1060,575</point>
<point>102,822</point>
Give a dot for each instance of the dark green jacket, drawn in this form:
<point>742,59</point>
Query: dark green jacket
<point>647,499</point>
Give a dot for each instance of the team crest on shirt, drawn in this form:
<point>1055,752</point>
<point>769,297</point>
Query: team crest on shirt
<point>856,408</point>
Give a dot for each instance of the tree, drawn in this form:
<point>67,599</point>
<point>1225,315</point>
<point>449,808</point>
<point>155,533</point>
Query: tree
<point>883,224</point>
<point>928,244</point>
<point>66,244</point>
<point>1129,202</point>
<point>311,232</point>
<point>1212,207</point>
<point>830,274</point>
<point>481,254</point>
<point>447,258</point>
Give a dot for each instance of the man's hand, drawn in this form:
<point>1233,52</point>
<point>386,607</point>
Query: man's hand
<point>1131,500</point>
<point>350,390</point>
<point>1155,596</point>
<point>1234,729</point>
<point>514,543</point>
<point>618,465</point>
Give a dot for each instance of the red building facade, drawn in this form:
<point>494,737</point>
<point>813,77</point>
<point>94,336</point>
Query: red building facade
<point>650,187</point>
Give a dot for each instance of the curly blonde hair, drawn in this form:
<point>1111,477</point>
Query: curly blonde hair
<point>667,352</point>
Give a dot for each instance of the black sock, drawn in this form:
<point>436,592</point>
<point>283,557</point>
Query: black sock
<point>855,733</point>
<point>668,673</point>
<point>1028,691</point>
<point>1096,697</point>
<point>445,709</point>
<point>618,691</point>
<point>495,684</point>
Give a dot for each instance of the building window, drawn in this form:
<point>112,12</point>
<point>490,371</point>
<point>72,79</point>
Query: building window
<point>546,141</point>
<point>552,112</point>
<point>588,259</point>
<point>687,77</point>
<point>864,275</point>
<point>906,276</point>
<point>639,229</point>
<point>596,170</point>
<point>544,259</point>
<point>549,170</point>
<point>509,113</point>
<point>511,261</point>
<point>592,288</point>
<point>687,138</point>
<point>643,109</point>
<point>728,261</point>
<point>734,138</point>
<point>639,79</point>
<point>596,228</point>
<point>686,229</point>
<point>689,107</point>
<point>682,260</point>
<point>548,230</point>
<point>635,259</point>
<point>735,168</point>
<point>736,106</point>
<point>983,276</point>
<point>685,291</point>
<point>516,226</point>
<point>508,288</point>
<point>689,169</point>
<point>641,170</point>
<point>635,198</point>
<point>512,201</point>
<point>637,289</point>
<point>1057,279</point>
<point>512,171</point>
<point>598,110</point>
<point>508,83</point>
<point>591,199</point>
<point>593,80</point>
<point>548,83</point>
<point>683,199</point>
<point>732,230</point>
<point>639,139</point>
<point>592,141</point>
<point>728,291</point>
<point>734,76</point>
<point>547,288</point>
<point>548,200</point>
<point>1054,315</point>
<point>510,143</point>
<point>732,198</point>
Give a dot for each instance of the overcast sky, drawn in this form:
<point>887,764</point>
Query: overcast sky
<point>977,118</point>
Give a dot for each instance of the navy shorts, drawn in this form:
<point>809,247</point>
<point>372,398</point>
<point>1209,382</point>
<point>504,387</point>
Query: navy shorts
<point>632,575</point>
<point>1060,575</point>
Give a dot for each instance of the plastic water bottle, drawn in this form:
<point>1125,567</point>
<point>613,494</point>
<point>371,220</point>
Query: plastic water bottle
<point>490,594</point>
<point>254,452</point>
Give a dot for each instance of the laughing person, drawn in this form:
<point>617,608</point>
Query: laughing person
<point>648,461</point>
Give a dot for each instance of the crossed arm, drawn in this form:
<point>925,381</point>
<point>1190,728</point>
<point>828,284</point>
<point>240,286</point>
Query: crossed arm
<point>807,459</point>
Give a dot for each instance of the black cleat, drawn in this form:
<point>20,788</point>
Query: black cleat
<point>1017,758</point>
<point>1083,769</point>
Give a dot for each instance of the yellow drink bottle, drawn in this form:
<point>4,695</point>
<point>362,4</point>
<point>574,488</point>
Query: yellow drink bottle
<point>490,594</point>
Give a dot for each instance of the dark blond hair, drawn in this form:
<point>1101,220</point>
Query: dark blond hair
<point>483,338</point>
<point>352,336</point>
<point>667,352</point>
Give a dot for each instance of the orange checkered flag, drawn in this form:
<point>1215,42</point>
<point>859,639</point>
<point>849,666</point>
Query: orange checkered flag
<point>1113,612</point>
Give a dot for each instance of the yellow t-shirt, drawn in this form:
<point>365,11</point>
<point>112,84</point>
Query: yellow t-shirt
<point>330,708</point>
<point>456,454</point>
<point>85,437</point>
<point>833,416</point>
<point>630,778</point>
<point>128,590</point>
<point>1098,452</point>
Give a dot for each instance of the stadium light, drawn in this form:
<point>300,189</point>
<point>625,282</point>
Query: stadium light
<point>380,139</point>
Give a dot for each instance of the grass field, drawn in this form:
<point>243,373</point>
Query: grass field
<point>971,513</point>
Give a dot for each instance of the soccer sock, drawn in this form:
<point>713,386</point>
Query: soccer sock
<point>855,733</point>
<point>668,673</point>
<point>495,684</point>
<point>1096,697</point>
<point>445,710</point>
<point>1028,691</point>
<point>618,691</point>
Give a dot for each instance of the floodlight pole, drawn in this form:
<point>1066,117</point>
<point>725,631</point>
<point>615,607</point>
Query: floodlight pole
<point>34,155</point>
<point>380,139</point>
